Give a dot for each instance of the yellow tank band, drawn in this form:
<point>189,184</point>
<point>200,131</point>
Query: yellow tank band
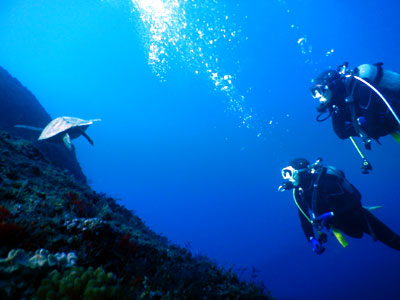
<point>340,237</point>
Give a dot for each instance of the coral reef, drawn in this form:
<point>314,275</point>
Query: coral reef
<point>61,240</point>
<point>78,283</point>
<point>18,258</point>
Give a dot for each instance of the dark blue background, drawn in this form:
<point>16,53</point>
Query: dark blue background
<point>171,150</point>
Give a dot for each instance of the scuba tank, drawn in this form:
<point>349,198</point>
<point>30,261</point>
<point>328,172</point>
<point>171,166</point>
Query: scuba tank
<point>382,79</point>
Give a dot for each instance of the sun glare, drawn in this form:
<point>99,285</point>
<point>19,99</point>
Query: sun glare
<point>172,42</point>
<point>154,7</point>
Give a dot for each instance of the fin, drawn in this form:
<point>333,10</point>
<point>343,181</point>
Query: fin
<point>88,138</point>
<point>338,234</point>
<point>67,141</point>
<point>371,208</point>
<point>28,127</point>
<point>396,136</point>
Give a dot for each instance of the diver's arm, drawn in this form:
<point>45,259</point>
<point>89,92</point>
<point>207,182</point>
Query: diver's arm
<point>306,226</point>
<point>342,127</point>
<point>372,112</point>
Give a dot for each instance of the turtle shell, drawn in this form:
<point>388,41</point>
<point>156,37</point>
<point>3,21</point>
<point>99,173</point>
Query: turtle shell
<point>61,125</point>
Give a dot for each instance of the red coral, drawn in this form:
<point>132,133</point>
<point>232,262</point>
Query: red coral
<point>10,234</point>
<point>4,213</point>
<point>82,208</point>
<point>137,281</point>
<point>128,247</point>
<point>72,196</point>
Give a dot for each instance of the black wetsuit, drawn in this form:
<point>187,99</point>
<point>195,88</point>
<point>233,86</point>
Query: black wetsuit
<point>328,190</point>
<point>376,120</point>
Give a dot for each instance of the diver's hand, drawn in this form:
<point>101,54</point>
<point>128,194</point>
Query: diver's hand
<point>323,219</point>
<point>287,185</point>
<point>317,247</point>
<point>366,167</point>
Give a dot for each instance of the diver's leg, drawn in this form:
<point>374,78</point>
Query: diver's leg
<point>380,231</point>
<point>351,224</point>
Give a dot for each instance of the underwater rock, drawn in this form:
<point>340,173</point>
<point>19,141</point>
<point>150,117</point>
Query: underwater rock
<point>18,106</point>
<point>74,243</point>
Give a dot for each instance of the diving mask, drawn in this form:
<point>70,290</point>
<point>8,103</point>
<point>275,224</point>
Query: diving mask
<point>292,175</point>
<point>320,92</point>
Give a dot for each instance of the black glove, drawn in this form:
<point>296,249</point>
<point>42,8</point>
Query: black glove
<point>317,247</point>
<point>286,185</point>
<point>366,167</point>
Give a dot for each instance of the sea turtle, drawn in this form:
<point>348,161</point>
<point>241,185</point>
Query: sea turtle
<point>65,129</point>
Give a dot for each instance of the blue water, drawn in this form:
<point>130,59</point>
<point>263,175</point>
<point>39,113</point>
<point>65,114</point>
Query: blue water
<point>202,103</point>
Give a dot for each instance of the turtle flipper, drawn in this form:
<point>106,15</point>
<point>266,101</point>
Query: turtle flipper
<point>67,141</point>
<point>88,138</point>
<point>29,127</point>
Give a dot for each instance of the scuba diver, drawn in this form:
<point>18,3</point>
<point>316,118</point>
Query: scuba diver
<point>328,201</point>
<point>363,102</point>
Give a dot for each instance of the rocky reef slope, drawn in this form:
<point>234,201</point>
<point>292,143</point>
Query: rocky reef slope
<point>61,240</point>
